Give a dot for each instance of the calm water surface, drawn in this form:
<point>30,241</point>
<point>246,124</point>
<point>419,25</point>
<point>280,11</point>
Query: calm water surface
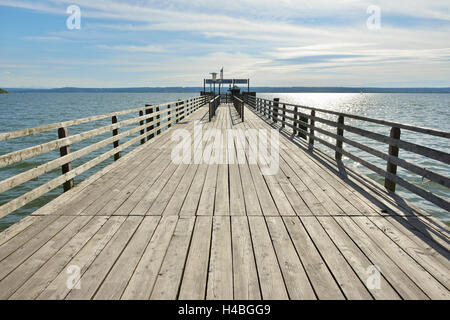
<point>27,110</point>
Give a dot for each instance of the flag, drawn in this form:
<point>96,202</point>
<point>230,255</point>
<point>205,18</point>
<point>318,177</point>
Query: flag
<point>221,74</point>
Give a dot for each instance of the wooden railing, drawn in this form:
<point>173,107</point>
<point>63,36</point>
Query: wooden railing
<point>239,105</point>
<point>151,120</point>
<point>214,102</point>
<point>303,122</point>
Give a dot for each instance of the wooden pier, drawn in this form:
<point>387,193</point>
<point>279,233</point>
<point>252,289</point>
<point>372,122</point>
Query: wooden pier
<point>145,227</point>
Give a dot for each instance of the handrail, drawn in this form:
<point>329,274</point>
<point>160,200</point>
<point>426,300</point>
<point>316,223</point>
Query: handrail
<point>239,105</point>
<point>410,127</point>
<point>151,120</point>
<point>213,104</point>
<point>29,131</point>
<point>304,126</point>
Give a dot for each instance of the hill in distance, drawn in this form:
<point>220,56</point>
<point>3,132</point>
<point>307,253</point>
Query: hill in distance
<point>257,89</point>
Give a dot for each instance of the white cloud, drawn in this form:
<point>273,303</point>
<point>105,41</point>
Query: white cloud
<point>148,48</point>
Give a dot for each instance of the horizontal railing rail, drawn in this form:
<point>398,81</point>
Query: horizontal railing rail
<point>305,126</point>
<point>151,121</point>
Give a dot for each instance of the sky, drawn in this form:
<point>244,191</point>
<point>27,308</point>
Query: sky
<point>152,43</point>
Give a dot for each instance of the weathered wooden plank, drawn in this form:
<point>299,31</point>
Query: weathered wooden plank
<point>19,275</point>
<point>220,274</point>
<point>143,183</point>
<point>252,206</point>
<point>169,189</point>
<point>143,206</point>
<point>193,285</point>
<point>270,277</point>
<point>237,204</point>
<point>32,245</point>
<point>334,202</point>
<point>99,190</point>
<point>357,260</point>
<point>192,188</point>
<point>58,288</point>
<point>207,201</point>
<point>109,192</point>
<point>388,268</point>
<point>50,270</point>
<point>423,279</point>
<point>169,277</point>
<point>117,279</point>
<point>222,203</point>
<point>263,193</point>
<point>350,284</point>
<point>118,203</point>
<point>321,279</point>
<point>421,232</point>
<point>420,253</point>
<point>265,198</point>
<point>297,283</point>
<point>192,202</point>
<point>143,279</point>
<point>245,275</point>
<point>207,197</point>
<point>16,228</point>
<point>16,242</point>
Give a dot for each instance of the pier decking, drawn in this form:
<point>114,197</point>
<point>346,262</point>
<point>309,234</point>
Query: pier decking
<point>147,228</point>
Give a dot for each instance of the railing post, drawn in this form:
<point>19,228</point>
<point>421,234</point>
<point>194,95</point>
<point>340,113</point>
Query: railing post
<point>311,129</point>
<point>168,113</point>
<point>275,109</point>
<point>141,123</point>
<point>302,119</point>
<point>210,111</point>
<point>183,109</point>
<point>340,133</point>
<point>284,116</point>
<point>149,111</point>
<point>242,110</point>
<point>115,132</point>
<point>63,151</point>
<point>393,152</point>
<point>158,123</point>
<point>269,111</point>
<point>294,129</point>
<point>176,110</point>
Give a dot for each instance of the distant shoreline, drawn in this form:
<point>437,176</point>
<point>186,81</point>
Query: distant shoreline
<point>257,89</point>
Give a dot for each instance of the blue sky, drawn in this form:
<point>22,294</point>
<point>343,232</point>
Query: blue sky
<point>178,43</point>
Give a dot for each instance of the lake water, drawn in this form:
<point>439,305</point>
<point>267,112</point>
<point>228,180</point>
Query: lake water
<point>24,110</point>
